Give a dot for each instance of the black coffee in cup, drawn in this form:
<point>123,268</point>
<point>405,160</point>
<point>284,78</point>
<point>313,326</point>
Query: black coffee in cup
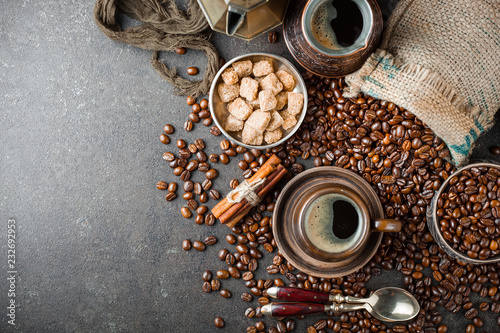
<point>333,223</point>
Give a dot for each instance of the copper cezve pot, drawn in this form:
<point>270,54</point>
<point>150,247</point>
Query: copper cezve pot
<point>320,58</point>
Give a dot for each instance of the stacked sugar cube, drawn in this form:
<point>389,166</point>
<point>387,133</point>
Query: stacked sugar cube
<point>256,98</point>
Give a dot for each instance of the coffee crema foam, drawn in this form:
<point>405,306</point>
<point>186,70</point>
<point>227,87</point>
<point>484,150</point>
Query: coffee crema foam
<point>321,28</point>
<point>319,221</point>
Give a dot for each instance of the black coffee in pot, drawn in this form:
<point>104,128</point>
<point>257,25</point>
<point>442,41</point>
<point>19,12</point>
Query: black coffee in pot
<point>337,24</point>
<point>348,23</point>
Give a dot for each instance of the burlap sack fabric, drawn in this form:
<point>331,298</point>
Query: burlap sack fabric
<point>164,27</point>
<point>441,61</point>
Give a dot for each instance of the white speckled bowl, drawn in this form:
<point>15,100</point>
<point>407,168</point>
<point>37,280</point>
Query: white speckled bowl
<point>219,110</point>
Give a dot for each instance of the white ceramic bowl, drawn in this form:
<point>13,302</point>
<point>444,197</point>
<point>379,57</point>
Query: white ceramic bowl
<point>219,109</point>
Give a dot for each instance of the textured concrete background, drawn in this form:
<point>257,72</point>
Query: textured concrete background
<point>98,247</point>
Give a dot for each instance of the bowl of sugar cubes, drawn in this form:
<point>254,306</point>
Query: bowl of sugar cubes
<point>258,100</point>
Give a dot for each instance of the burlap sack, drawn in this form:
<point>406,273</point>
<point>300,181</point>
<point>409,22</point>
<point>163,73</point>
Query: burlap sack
<point>441,61</point>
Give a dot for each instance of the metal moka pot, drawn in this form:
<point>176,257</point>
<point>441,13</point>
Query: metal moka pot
<point>245,19</point>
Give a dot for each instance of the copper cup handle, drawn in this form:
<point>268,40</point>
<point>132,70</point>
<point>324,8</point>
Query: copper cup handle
<point>386,225</point>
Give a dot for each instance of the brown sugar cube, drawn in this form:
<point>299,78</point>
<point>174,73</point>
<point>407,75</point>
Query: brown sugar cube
<point>233,124</point>
<point>254,104</point>
<point>295,102</point>
<point>273,136</point>
<point>263,68</point>
<point>259,120</point>
<point>251,136</point>
<point>228,92</point>
<point>276,121</point>
<point>281,100</point>
<point>287,79</point>
<point>239,109</point>
<point>249,88</point>
<point>289,120</point>
<point>243,68</point>
<point>230,76</point>
<point>267,100</point>
<point>271,83</point>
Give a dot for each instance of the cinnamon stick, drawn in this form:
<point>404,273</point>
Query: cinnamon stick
<point>231,223</point>
<point>237,206</point>
<point>266,169</point>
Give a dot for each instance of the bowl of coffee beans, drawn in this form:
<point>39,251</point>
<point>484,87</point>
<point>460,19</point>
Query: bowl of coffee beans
<point>258,100</point>
<point>464,216</point>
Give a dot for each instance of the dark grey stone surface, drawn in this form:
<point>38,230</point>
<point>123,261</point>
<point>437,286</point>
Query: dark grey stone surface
<point>98,249</point>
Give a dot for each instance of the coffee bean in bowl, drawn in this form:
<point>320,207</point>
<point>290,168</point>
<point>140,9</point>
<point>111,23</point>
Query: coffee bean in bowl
<point>464,216</point>
<point>258,100</point>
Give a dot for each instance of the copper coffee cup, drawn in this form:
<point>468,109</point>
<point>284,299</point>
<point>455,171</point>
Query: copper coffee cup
<point>305,232</point>
<point>320,56</point>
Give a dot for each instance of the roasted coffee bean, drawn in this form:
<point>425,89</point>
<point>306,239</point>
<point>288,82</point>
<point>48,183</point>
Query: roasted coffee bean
<point>186,245</point>
<point>165,139</point>
<point>222,274</point>
<point>214,158</point>
<point>207,121</point>
<point>206,276</point>
<point>196,108</point>
<point>247,297</point>
<point>170,196</point>
<point>219,322</point>
<point>192,70</point>
<point>180,50</point>
<point>161,185</point>
<point>234,272</point>
<point>172,187</point>
<point>224,159</point>
<point>167,156</point>
<point>192,204</point>
<point>203,197</point>
<point>222,62</point>
<point>215,284</point>
<point>234,183</point>
<point>250,312</point>
<point>188,196</point>
<point>225,293</point>
<point>495,150</point>
<point>192,165</point>
<point>186,212</point>
<point>188,186</point>
<point>272,37</point>
<point>211,174</point>
<point>260,326</point>
<point>200,246</point>
<point>206,185</point>
<point>224,145</point>
<point>188,126</point>
<point>184,153</point>
<point>210,240</point>
<point>194,117</point>
<point>214,194</point>
<point>190,100</point>
<point>214,130</point>
<point>206,287</point>
<point>203,167</point>
<point>168,129</point>
<point>209,219</point>
<point>199,219</point>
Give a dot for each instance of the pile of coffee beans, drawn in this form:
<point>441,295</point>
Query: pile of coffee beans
<point>404,162</point>
<point>469,212</point>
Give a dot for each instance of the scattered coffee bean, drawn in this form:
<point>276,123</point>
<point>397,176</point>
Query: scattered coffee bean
<point>192,70</point>
<point>172,187</point>
<point>210,240</point>
<point>211,174</point>
<point>170,196</point>
<point>188,126</point>
<point>214,130</point>
<point>225,293</point>
<point>162,186</point>
<point>186,245</point>
<point>214,194</point>
<point>180,50</point>
<point>167,156</point>
<point>192,204</point>
<point>200,246</point>
<point>209,219</point>
<point>207,184</point>
<point>495,150</point>
<point>272,37</point>
<point>215,284</point>
<point>186,213</point>
<point>219,322</point>
<point>204,104</point>
<point>165,139</point>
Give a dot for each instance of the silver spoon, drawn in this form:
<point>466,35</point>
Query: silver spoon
<point>386,304</point>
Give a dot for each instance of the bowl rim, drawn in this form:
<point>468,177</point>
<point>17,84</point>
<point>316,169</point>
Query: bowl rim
<point>433,224</point>
<point>295,73</point>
